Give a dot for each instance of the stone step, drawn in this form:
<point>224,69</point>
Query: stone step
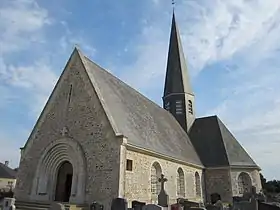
<point>25,205</point>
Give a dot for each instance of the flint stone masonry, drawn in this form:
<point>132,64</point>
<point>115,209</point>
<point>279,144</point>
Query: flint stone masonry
<point>218,181</point>
<point>254,175</point>
<point>225,182</point>
<point>138,181</point>
<point>87,125</point>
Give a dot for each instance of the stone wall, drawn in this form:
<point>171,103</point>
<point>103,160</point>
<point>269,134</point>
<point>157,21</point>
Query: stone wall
<point>138,181</point>
<point>87,124</point>
<point>218,181</point>
<point>254,175</point>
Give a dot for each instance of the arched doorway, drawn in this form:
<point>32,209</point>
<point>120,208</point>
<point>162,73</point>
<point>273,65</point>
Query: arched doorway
<point>64,182</point>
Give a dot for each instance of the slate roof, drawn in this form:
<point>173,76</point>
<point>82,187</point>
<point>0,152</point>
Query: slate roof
<point>177,77</point>
<point>6,172</point>
<point>216,146</point>
<point>144,123</point>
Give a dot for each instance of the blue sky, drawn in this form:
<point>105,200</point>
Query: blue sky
<point>232,49</point>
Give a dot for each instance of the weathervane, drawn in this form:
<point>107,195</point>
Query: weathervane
<point>173,4</point>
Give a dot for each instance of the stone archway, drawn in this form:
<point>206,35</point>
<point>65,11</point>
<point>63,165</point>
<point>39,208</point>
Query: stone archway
<point>52,164</point>
<point>244,183</point>
<point>64,182</point>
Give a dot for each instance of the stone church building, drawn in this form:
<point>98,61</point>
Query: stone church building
<point>97,139</point>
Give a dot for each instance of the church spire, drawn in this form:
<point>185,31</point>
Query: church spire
<point>178,96</point>
<point>177,78</point>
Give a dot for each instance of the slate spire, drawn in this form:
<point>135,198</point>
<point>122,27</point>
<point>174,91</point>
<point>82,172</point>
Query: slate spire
<point>178,97</point>
<point>177,77</point>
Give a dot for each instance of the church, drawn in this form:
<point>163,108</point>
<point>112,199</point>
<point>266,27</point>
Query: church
<point>97,138</point>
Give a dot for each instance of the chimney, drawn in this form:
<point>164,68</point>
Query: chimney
<point>6,163</point>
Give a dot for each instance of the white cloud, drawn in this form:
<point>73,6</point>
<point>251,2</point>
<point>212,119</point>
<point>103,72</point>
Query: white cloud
<point>22,25</point>
<point>244,35</point>
<point>217,30</point>
<point>150,63</point>
<point>37,79</point>
<point>242,31</point>
<point>21,22</point>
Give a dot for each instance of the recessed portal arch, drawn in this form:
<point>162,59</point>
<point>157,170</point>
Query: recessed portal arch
<point>61,157</point>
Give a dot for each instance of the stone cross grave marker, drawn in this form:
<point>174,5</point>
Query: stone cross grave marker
<point>162,197</point>
<point>162,180</point>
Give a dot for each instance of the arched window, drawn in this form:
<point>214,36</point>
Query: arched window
<point>197,185</point>
<point>155,175</point>
<point>190,107</point>
<point>180,183</point>
<point>244,183</point>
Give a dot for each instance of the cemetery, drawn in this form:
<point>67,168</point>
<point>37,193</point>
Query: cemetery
<point>249,201</point>
<point>99,144</point>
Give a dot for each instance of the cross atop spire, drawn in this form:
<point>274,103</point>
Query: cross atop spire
<point>173,5</point>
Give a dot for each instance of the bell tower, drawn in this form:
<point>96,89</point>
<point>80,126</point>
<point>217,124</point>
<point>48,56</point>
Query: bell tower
<point>178,97</point>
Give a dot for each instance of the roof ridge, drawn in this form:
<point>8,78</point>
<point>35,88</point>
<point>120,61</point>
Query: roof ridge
<point>222,139</point>
<point>222,125</point>
<point>108,72</point>
<point>205,117</point>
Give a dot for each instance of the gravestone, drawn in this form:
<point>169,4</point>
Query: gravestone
<point>212,207</point>
<point>119,204</point>
<point>198,208</point>
<point>162,197</point>
<point>215,197</point>
<point>186,204</point>
<point>219,204</point>
<point>137,205</point>
<point>176,206</point>
<point>9,203</point>
<point>152,207</point>
<point>261,196</point>
<point>96,206</point>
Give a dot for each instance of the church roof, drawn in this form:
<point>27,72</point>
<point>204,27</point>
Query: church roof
<point>177,78</point>
<point>216,145</point>
<point>6,172</point>
<point>144,123</point>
